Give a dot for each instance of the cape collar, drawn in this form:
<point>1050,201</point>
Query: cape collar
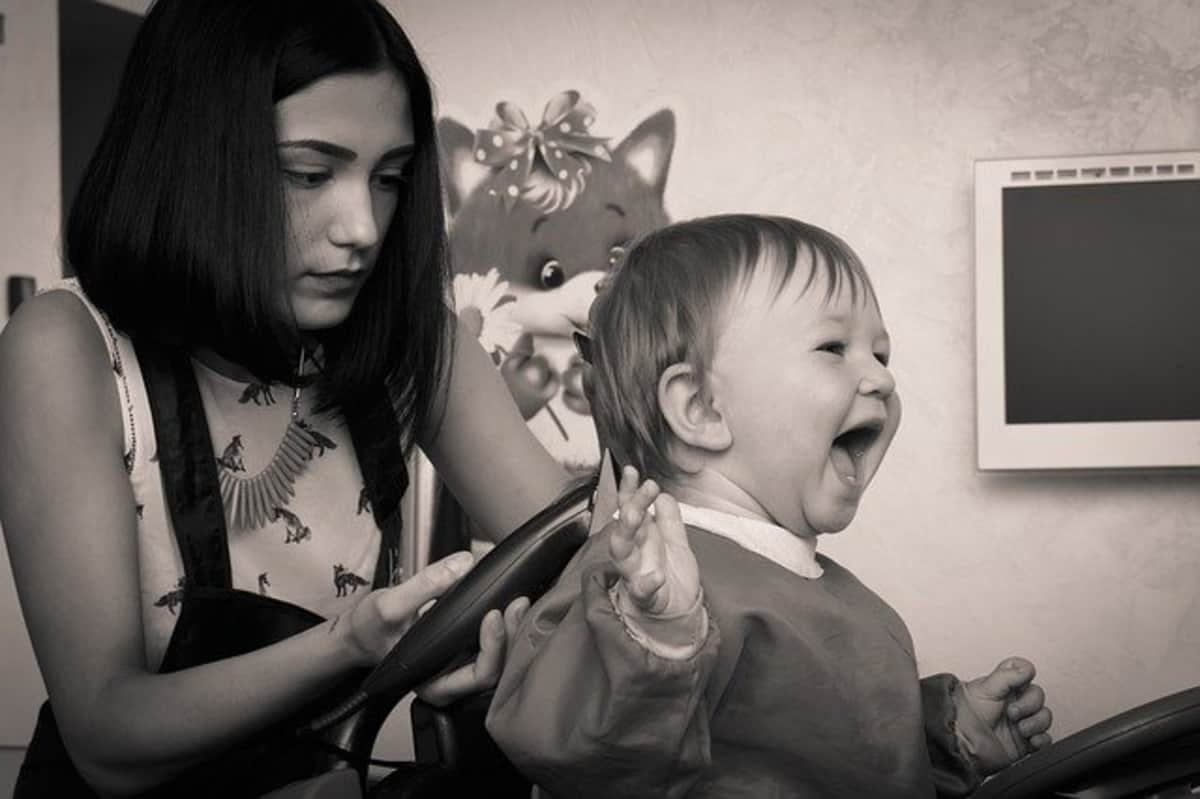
<point>797,554</point>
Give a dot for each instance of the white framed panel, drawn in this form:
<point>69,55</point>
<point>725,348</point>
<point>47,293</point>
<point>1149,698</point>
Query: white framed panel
<point>1003,444</point>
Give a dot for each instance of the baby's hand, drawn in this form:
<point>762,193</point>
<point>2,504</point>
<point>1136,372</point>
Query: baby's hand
<point>651,552</point>
<point>1003,715</point>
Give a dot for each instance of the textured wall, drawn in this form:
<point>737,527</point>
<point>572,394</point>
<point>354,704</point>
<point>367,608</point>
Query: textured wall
<point>29,221</point>
<point>29,201</point>
<point>865,117</point>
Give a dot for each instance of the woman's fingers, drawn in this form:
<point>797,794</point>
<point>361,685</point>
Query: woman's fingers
<point>478,675</point>
<point>401,601</point>
<point>495,634</point>
<point>514,614</point>
<point>493,638</point>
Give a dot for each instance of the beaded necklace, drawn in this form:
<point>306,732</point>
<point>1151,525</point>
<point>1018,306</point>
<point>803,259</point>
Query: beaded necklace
<point>251,502</point>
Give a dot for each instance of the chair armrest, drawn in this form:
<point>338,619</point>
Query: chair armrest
<point>455,756</point>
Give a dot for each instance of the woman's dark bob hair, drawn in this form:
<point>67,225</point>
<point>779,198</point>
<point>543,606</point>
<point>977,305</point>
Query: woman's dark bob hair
<point>178,231</point>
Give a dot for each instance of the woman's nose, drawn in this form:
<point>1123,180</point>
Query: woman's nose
<point>353,223</point>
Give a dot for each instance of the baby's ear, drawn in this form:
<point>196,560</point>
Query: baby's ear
<point>689,410</point>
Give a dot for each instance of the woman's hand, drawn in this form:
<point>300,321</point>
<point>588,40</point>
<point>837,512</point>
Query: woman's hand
<point>483,673</point>
<point>378,622</point>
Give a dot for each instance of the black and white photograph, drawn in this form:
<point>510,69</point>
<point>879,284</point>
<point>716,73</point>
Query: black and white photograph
<point>600,398</point>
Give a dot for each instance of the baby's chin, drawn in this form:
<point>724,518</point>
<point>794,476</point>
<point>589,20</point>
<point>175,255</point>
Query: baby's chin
<point>799,526</point>
<point>816,523</point>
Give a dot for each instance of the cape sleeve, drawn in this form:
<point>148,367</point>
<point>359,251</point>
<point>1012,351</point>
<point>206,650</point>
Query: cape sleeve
<point>954,774</point>
<point>583,709</point>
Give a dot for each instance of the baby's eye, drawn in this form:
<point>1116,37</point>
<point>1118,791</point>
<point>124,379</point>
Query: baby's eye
<point>616,254</point>
<point>883,357</point>
<point>551,276</point>
<point>306,179</point>
<point>835,347</point>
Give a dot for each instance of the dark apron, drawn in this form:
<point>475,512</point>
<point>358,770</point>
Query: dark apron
<point>216,620</point>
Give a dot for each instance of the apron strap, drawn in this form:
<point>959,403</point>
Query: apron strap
<point>189,470</point>
<point>376,438</point>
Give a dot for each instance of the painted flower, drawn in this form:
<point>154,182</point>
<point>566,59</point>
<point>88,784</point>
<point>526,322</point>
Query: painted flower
<point>485,308</point>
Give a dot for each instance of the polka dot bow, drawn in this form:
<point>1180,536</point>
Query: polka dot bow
<point>547,165</point>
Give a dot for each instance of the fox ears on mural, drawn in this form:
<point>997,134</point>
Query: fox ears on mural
<point>646,152</point>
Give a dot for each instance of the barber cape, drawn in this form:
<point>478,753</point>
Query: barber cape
<point>804,687</point>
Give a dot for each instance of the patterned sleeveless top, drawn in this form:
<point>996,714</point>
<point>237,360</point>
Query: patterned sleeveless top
<point>318,550</point>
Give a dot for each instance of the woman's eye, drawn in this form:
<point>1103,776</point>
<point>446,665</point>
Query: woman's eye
<point>391,181</point>
<point>551,276</point>
<point>305,179</point>
<point>836,347</point>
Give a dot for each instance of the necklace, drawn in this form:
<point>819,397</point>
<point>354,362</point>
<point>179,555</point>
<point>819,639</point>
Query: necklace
<point>251,502</point>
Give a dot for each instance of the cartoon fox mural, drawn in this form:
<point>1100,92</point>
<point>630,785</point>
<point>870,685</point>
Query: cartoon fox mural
<point>550,236</point>
<point>538,216</point>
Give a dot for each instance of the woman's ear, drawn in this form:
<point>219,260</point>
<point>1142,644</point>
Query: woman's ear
<point>689,410</point>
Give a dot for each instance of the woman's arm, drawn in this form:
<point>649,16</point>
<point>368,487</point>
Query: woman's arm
<point>68,514</point>
<point>484,451</point>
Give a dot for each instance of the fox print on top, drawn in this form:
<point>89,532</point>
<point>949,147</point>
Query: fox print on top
<point>316,548</point>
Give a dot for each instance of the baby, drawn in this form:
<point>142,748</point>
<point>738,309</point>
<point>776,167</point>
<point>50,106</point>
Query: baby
<point>699,645</point>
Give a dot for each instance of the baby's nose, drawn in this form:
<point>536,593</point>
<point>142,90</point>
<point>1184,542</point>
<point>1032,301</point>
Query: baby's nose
<point>878,380</point>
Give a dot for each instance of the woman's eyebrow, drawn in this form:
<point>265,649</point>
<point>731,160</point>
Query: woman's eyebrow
<point>324,147</point>
<point>396,153</point>
<point>344,153</point>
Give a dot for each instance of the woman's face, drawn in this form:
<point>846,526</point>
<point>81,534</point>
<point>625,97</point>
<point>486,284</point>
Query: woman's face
<point>343,144</point>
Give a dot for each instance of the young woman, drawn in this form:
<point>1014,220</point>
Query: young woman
<point>202,439</point>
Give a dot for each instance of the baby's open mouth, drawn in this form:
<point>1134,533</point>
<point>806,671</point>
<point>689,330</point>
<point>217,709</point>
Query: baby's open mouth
<point>849,449</point>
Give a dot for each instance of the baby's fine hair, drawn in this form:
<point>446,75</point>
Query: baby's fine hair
<point>667,304</point>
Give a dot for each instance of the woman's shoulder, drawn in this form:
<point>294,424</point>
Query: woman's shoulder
<point>53,347</point>
<point>53,325</point>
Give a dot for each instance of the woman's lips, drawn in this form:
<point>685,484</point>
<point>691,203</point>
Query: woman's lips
<point>334,283</point>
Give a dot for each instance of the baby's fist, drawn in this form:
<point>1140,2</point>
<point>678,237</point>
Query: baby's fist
<point>1004,715</point>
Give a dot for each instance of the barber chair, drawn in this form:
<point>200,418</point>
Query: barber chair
<point>1149,752</point>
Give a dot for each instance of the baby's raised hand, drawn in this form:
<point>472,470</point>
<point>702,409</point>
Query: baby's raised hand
<point>650,550</point>
<point>1003,715</point>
